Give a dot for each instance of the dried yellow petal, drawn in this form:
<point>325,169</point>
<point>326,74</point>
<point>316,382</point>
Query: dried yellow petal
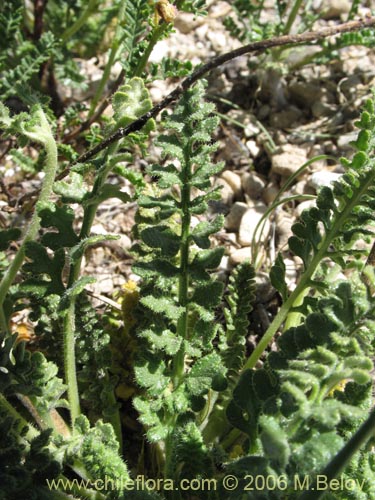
<point>166,11</point>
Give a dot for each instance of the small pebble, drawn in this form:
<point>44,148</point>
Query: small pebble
<point>344,140</point>
<point>332,9</point>
<point>234,181</point>
<point>253,184</point>
<point>233,219</point>
<point>253,148</point>
<point>270,192</point>
<point>226,192</point>
<point>286,118</point>
<point>320,179</point>
<point>289,160</point>
<point>239,255</point>
<point>249,223</point>
<point>284,222</point>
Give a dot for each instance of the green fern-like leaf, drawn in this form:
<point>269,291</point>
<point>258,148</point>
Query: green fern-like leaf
<point>241,294</point>
<point>301,406</point>
<point>178,367</point>
<point>136,15</point>
<point>130,101</point>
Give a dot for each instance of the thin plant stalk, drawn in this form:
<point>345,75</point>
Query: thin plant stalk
<point>298,293</point>
<point>69,320</point>
<point>341,459</point>
<point>77,25</point>
<point>292,16</point>
<point>32,231</point>
<point>256,238</point>
<point>110,62</point>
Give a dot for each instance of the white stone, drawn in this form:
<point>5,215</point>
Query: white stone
<point>239,255</point>
<point>201,33</point>
<point>224,263</point>
<point>249,222</point>
<point>234,180</point>
<point>289,160</point>
<point>335,8</point>
<point>284,222</point>
<point>226,192</point>
<point>231,237</point>
<point>233,219</point>
<point>345,139</point>
<point>290,273</point>
<point>98,229</point>
<point>218,40</point>
<point>251,130</point>
<point>125,241</point>
<point>253,184</point>
<point>270,192</point>
<point>323,178</point>
<point>253,147</point>
<point>186,22</point>
<point>161,50</point>
<point>299,188</point>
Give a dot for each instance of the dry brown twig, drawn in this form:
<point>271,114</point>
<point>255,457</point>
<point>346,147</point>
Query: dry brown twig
<point>285,40</point>
<point>309,36</point>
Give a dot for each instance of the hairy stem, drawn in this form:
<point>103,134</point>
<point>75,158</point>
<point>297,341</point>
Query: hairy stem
<point>21,422</point>
<point>183,286</point>
<point>156,35</point>
<point>69,320</point>
<point>32,231</point>
<point>70,362</point>
<point>305,280</point>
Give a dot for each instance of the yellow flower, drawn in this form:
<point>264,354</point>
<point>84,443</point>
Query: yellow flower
<point>130,298</point>
<point>338,387</point>
<point>236,452</point>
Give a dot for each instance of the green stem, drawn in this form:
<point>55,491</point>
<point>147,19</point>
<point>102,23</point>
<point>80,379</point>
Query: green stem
<point>156,35</point>
<point>32,231</point>
<point>183,285</point>
<point>183,296</point>
<point>158,32</point>
<point>69,32</point>
<point>292,16</point>
<point>70,362</point>
<point>305,280</point>
<point>69,320</point>
<point>111,60</point>
<point>21,422</point>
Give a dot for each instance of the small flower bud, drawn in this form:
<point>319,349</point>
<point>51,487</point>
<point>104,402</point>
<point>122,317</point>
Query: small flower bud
<point>166,11</point>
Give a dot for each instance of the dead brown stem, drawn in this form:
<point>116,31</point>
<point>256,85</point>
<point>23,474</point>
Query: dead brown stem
<point>303,38</point>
